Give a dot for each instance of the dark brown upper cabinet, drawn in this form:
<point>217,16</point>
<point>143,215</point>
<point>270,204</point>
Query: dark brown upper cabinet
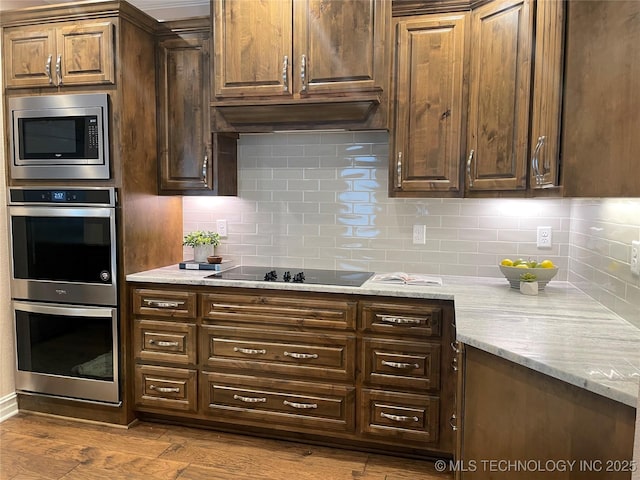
<point>300,63</point>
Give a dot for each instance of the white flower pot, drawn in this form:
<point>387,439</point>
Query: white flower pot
<point>201,252</point>
<point>529,288</point>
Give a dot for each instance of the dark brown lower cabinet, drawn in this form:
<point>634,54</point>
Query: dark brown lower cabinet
<point>361,372</point>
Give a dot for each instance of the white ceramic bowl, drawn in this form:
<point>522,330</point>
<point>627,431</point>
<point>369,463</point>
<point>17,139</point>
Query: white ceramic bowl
<point>543,275</point>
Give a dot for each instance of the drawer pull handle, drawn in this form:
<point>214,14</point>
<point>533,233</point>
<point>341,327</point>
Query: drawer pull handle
<point>250,399</point>
<point>454,347</point>
<point>165,389</point>
<point>300,355</point>
<point>300,405</point>
<point>400,320</point>
<point>162,343</point>
<point>401,365</point>
<point>249,351</point>
<point>163,303</point>
<point>399,418</point>
<point>454,364</point>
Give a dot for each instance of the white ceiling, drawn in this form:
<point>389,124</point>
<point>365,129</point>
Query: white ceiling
<point>159,9</point>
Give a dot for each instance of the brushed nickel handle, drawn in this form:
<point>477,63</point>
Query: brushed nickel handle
<point>250,399</point>
<point>163,303</point>
<point>303,74</point>
<point>454,364</point>
<point>469,160</point>
<point>400,320</point>
<point>535,161</point>
<point>285,73</point>
<point>59,69</point>
<point>400,365</point>
<point>205,166</point>
<point>162,343</point>
<point>300,405</point>
<point>454,347</point>
<point>399,171</point>
<point>249,351</point>
<point>453,422</point>
<point>300,355</point>
<point>165,389</point>
<point>399,418</point>
<point>47,69</point>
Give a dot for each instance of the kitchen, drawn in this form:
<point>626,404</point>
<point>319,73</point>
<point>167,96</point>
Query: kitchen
<point>313,199</point>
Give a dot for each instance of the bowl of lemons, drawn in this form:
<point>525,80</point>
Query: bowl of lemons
<point>512,269</point>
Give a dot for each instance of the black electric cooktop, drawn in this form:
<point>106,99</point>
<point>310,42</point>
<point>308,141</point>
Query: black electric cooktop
<point>294,275</point>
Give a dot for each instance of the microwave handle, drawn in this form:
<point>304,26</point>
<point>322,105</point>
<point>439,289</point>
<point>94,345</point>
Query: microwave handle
<point>47,69</point>
<point>59,69</point>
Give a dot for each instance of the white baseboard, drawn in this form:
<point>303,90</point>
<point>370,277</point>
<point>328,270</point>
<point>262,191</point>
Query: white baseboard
<point>8,406</point>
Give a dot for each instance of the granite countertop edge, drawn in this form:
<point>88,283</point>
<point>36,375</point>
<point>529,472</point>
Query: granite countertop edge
<point>562,332</point>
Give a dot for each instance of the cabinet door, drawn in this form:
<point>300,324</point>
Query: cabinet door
<point>600,138</point>
<point>428,120</point>
<point>29,56</point>
<point>501,37</point>
<point>547,94</point>
<point>85,54</point>
<point>338,45</point>
<point>183,113</point>
<point>253,48</point>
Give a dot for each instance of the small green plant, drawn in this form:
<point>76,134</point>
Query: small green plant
<point>528,277</point>
<point>201,237</point>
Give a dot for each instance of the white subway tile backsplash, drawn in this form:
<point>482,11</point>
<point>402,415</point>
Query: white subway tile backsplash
<point>320,200</point>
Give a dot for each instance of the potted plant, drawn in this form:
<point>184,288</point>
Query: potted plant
<point>528,284</point>
<point>203,243</point>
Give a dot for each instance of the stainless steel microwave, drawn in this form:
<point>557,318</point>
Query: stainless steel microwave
<point>59,136</point>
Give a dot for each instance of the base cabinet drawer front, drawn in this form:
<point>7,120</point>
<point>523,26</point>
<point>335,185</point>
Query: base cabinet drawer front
<point>280,311</point>
<point>161,303</point>
<point>306,355</point>
<point>297,405</point>
<point>157,341</point>
<point>403,320</point>
<point>400,417</point>
<point>403,365</point>
<point>166,388</point>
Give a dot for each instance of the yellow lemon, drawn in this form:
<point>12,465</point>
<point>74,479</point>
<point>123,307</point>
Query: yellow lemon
<point>546,264</point>
<point>506,262</point>
<point>522,265</point>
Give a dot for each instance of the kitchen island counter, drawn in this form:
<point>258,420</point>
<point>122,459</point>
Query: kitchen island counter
<point>562,332</point>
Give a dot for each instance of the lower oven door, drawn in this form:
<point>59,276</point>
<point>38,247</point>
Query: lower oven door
<point>67,350</point>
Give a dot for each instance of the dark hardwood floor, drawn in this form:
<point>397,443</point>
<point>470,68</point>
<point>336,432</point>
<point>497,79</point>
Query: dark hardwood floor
<point>35,447</point>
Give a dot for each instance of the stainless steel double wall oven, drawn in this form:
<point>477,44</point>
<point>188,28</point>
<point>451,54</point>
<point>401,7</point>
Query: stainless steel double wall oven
<point>64,251</point>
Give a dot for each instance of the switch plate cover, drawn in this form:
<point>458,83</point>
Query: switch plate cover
<point>221,227</point>
<point>635,261</point>
<point>544,239</point>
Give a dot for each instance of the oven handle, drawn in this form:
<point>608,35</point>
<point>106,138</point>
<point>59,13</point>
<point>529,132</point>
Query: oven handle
<point>60,309</point>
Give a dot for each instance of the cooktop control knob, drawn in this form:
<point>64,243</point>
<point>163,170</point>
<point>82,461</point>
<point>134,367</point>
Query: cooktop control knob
<point>298,277</point>
<point>271,276</point>
<point>287,276</point>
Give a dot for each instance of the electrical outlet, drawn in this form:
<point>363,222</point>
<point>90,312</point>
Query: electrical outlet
<point>419,234</point>
<point>221,227</point>
<point>544,237</point>
<point>635,261</point>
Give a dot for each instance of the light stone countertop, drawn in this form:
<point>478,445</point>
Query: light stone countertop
<point>562,332</point>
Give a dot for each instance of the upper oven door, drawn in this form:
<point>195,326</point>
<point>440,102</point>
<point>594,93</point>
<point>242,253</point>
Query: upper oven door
<point>64,254</point>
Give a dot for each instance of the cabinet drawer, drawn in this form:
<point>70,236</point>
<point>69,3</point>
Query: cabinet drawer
<point>272,310</point>
<point>297,405</point>
<point>404,365</point>
<point>157,341</point>
<point>411,320</point>
<point>166,388</point>
<point>299,354</point>
<point>400,417</point>
<point>162,303</point>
